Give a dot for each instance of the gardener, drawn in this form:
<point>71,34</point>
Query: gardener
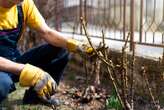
<point>32,68</point>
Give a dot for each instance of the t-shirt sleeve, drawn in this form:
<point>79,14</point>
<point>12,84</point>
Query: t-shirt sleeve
<point>32,16</point>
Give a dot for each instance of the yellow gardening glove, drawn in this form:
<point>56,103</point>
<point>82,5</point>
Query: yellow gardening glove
<point>42,82</point>
<point>77,46</point>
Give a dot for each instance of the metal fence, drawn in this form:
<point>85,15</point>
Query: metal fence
<point>143,19</point>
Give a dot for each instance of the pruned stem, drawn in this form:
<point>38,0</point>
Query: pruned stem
<point>110,65</point>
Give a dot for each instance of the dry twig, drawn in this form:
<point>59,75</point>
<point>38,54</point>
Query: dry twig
<point>124,74</point>
<point>149,88</point>
<point>109,64</point>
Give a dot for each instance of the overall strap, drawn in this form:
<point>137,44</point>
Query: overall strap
<point>20,19</point>
<point>10,37</point>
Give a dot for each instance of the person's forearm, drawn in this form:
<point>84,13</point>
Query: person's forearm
<point>10,66</point>
<point>55,38</point>
<point>52,36</point>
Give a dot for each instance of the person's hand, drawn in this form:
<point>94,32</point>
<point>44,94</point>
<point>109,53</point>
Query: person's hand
<point>41,81</point>
<point>80,47</point>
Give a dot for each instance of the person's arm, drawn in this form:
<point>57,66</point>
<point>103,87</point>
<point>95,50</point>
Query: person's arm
<point>35,21</point>
<point>56,39</point>
<point>10,66</point>
<point>52,36</point>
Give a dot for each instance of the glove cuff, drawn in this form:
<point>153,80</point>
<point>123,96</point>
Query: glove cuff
<point>29,75</point>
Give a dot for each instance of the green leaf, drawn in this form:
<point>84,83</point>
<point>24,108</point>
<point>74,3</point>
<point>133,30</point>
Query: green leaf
<point>113,102</point>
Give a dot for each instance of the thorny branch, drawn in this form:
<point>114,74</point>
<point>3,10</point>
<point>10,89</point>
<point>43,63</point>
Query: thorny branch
<point>124,75</point>
<point>132,78</point>
<point>86,71</point>
<point>105,60</point>
<point>149,88</point>
<point>103,56</point>
<point>99,54</point>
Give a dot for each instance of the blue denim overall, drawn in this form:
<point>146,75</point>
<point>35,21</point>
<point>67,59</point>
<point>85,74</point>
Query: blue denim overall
<point>49,58</point>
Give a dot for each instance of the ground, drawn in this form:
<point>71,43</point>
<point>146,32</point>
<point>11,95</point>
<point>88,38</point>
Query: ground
<point>76,94</point>
<point>69,91</point>
<point>14,101</point>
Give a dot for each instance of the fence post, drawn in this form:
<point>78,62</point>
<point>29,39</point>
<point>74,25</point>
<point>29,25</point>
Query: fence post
<point>124,20</point>
<point>85,10</point>
<point>132,25</point>
<point>81,15</point>
<point>141,21</point>
<point>58,7</point>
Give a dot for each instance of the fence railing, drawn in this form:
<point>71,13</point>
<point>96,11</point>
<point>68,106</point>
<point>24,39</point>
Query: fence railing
<point>144,19</point>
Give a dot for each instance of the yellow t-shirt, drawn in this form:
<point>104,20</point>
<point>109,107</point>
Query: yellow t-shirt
<point>9,16</point>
